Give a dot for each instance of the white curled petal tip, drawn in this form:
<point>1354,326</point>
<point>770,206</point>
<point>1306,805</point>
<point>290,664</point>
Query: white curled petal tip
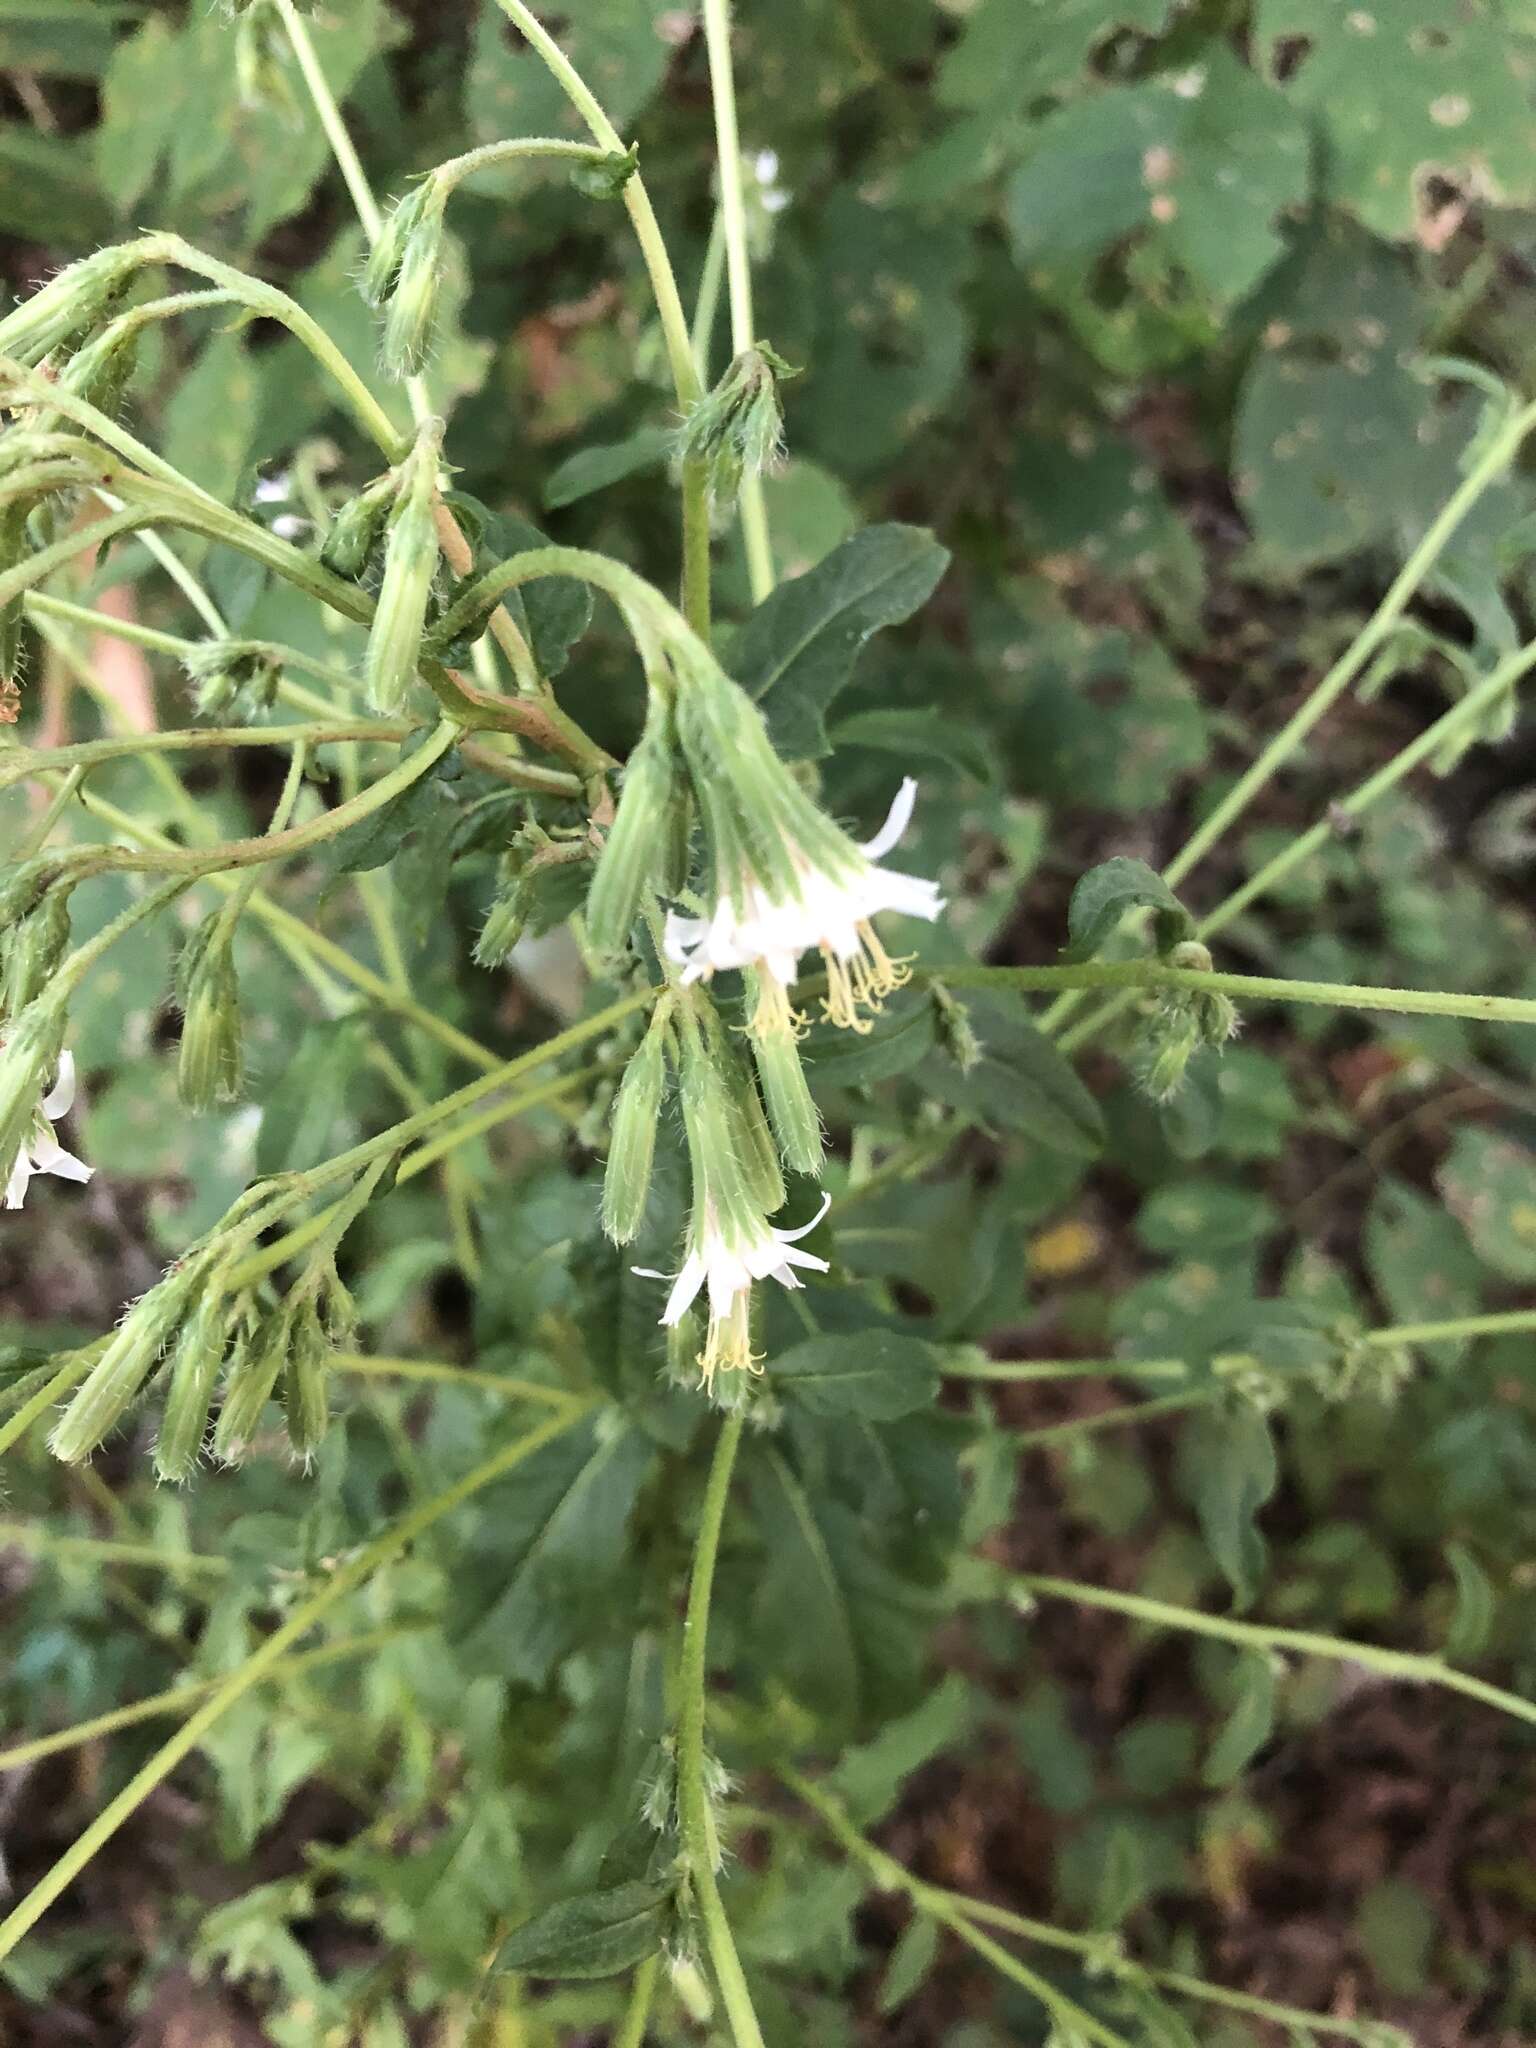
<point>16,1186</point>
<point>897,819</point>
<point>805,1229</point>
<point>49,1156</point>
<point>60,1098</point>
<point>685,1290</point>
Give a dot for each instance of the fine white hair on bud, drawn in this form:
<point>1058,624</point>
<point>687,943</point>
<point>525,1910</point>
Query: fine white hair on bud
<point>410,567</point>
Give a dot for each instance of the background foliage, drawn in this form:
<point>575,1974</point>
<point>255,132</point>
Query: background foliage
<point>1142,311</point>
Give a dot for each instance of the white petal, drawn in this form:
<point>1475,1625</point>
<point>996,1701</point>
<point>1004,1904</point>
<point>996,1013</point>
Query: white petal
<point>679,936</point>
<point>60,1098</point>
<point>897,819</point>
<point>49,1156</point>
<point>790,1236</point>
<point>685,1290</point>
<point>793,1256</point>
<point>16,1186</point>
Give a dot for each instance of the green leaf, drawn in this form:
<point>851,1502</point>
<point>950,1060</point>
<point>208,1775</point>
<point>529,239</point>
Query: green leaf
<point>914,1955</point>
<point>1419,1260</point>
<point>1227,1471</point>
<point>1021,1083</point>
<point>1007,58</point>
<point>46,190</point>
<point>1396,1926</point>
<point>1250,1722</point>
<point>1472,1621</point>
<point>553,1545</point>
<point>299,1116</point>
<point>60,38</point>
<point>616,45</point>
<point>1108,892</point>
<point>868,1779</point>
<point>594,468</point>
<point>800,1616</point>
<point>1489,1183</point>
<point>596,1935</point>
<point>875,1374</point>
<point>375,840</point>
<point>1404,94</point>
<point>797,650</point>
<point>928,734</point>
<point>1200,163</point>
<point>211,420</point>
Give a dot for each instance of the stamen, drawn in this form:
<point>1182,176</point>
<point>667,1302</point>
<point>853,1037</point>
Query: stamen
<point>885,973</point>
<point>775,1015</point>
<point>728,1344</point>
<point>841,1001</point>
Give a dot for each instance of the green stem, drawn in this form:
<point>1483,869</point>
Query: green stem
<point>455,169</point>
<point>631,2033</point>
<point>31,761</point>
<point>699,1844</point>
<point>1347,810</point>
<point>71,1371</point>
<point>178,1697</point>
<point>193,863</point>
<point>707,304</point>
<point>753,508</point>
<point>1152,974</point>
<point>1112,1418</point>
<point>451,1375</point>
<point>941,1906</point>
<point>965,1365</point>
<point>1495,458</point>
<point>1396,1664</point>
<point>37,1537</point>
<point>318,87</point>
<point>345,1580</point>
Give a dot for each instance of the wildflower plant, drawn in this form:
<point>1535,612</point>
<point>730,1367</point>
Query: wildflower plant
<point>723,1022</point>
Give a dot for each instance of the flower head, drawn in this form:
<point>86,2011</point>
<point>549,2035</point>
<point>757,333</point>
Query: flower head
<point>725,1255</point>
<point>823,891</point>
<point>40,1150</point>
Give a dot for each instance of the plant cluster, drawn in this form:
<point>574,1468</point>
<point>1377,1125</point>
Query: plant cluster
<point>627,1634</point>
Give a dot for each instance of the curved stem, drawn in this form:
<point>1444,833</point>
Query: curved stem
<point>1398,1664</point>
<point>699,1843</point>
<point>345,1580</point>
<point>752,505</point>
<point>86,753</point>
<point>631,2033</point>
<point>1153,974</point>
<point>194,862</point>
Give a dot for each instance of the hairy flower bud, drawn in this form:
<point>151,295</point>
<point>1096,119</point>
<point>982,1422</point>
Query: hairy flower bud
<point>507,920</point>
<point>404,274</point>
<point>256,1359</point>
<point>737,430</point>
<point>190,1381</point>
<point>70,306</point>
<point>410,565</point>
<point>636,843</point>
<point>357,528</point>
<point>227,672</point>
<point>794,1116</point>
<point>305,1385</point>
<point>957,1035</point>
<point>133,1351</point>
<point>100,372</point>
<point>33,949</point>
<point>632,1146</point>
<point>211,1066</point>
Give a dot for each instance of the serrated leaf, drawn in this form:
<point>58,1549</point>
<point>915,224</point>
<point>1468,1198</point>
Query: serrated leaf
<point>1472,1621</point>
<point>875,1374</point>
<point>1250,1722</point>
<point>596,1935</point>
<point>797,650</point>
<point>1109,892</point>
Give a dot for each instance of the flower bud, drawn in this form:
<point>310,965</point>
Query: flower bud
<point>794,1116</point>
<point>737,429</point>
<point>357,527</point>
<point>33,949</point>
<point>101,371</point>
<point>305,1388</point>
<point>403,277</point>
<point>752,1140</point>
<point>605,177</point>
<point>636,841</point>
<point>133,1351</point>
<point>632,1146</point>
<point>211,1066</point>
<point>256,1359</point>
<point>70,306</point>
<point>507,920</point>
<point>957,1035</point>
<point>410,565</point>
<point>224,671</point>
<point>193,1374</point>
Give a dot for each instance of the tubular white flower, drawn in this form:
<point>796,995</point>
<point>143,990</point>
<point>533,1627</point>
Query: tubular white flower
<point>828,904</point>
<point>41,1151</point>
<point>722,1262</point>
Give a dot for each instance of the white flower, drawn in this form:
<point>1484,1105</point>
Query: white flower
<point>725,1261</point>
<point>829,910</point>
<point>41,1151</point>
